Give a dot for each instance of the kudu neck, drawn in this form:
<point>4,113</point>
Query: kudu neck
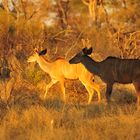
<point>43,63</point>
<point>90,64</point>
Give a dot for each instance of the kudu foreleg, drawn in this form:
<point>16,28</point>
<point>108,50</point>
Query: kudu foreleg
<point>49,86</point>
<point>138,99</point>
<point>108,92</point>
<point>137,87</point>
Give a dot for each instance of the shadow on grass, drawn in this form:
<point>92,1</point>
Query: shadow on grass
<point>124,97</point>
<point>53,104</point>
<point>3,109</point>
<point>25,99</point>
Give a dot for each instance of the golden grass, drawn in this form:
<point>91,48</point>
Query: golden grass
<point>27,117</point>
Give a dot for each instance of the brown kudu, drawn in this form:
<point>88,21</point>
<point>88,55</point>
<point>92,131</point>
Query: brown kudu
<point>60,69</point>
<point>111,70</point>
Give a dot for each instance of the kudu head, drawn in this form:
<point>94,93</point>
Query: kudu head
<point>78,57</point>
<point>36,55</point>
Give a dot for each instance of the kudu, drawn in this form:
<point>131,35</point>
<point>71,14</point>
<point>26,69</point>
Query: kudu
<point>111,70</point>
<point>60,69</point>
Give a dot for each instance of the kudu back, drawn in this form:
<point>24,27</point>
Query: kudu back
<point>60,69</point>
<point>111,70</point>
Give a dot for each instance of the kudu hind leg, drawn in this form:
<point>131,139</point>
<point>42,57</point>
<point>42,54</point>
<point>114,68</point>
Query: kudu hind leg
<point>96,87</point>
<point>91,93</point>
<point>137,87</point>
<point>138,99</point>
<point>90,86</point>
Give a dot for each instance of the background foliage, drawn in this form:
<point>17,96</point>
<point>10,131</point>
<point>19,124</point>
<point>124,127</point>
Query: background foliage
<point>112,28</point>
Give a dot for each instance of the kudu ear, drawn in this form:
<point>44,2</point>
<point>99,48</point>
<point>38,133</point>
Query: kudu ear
<point>87,51</point>
<point>43,52</point>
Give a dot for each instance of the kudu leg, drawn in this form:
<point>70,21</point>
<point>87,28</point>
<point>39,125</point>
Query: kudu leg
<point>91,93</point>
<point>49,86</point>
<point>96,87</point>
<point>138,99</point>
<point>137,87</point>
<point>90,86</point>
<point>108,92</point>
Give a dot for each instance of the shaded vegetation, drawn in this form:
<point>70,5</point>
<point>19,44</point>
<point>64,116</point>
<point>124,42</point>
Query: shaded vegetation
<point>112,29</point>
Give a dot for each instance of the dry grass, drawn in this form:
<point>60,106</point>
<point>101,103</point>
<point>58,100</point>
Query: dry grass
<point>27,117</point>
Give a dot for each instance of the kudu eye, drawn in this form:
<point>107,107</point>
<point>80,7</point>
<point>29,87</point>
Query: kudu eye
<point>43,52</point>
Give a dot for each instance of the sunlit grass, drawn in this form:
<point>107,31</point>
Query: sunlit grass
<point>26,115</point>
<point>29,117</point>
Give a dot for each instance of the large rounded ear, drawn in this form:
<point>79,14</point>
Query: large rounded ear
<point>87,51</point>
<point>43,52</point>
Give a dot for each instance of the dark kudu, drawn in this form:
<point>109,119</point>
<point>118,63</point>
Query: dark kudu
<point>111,70</point>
